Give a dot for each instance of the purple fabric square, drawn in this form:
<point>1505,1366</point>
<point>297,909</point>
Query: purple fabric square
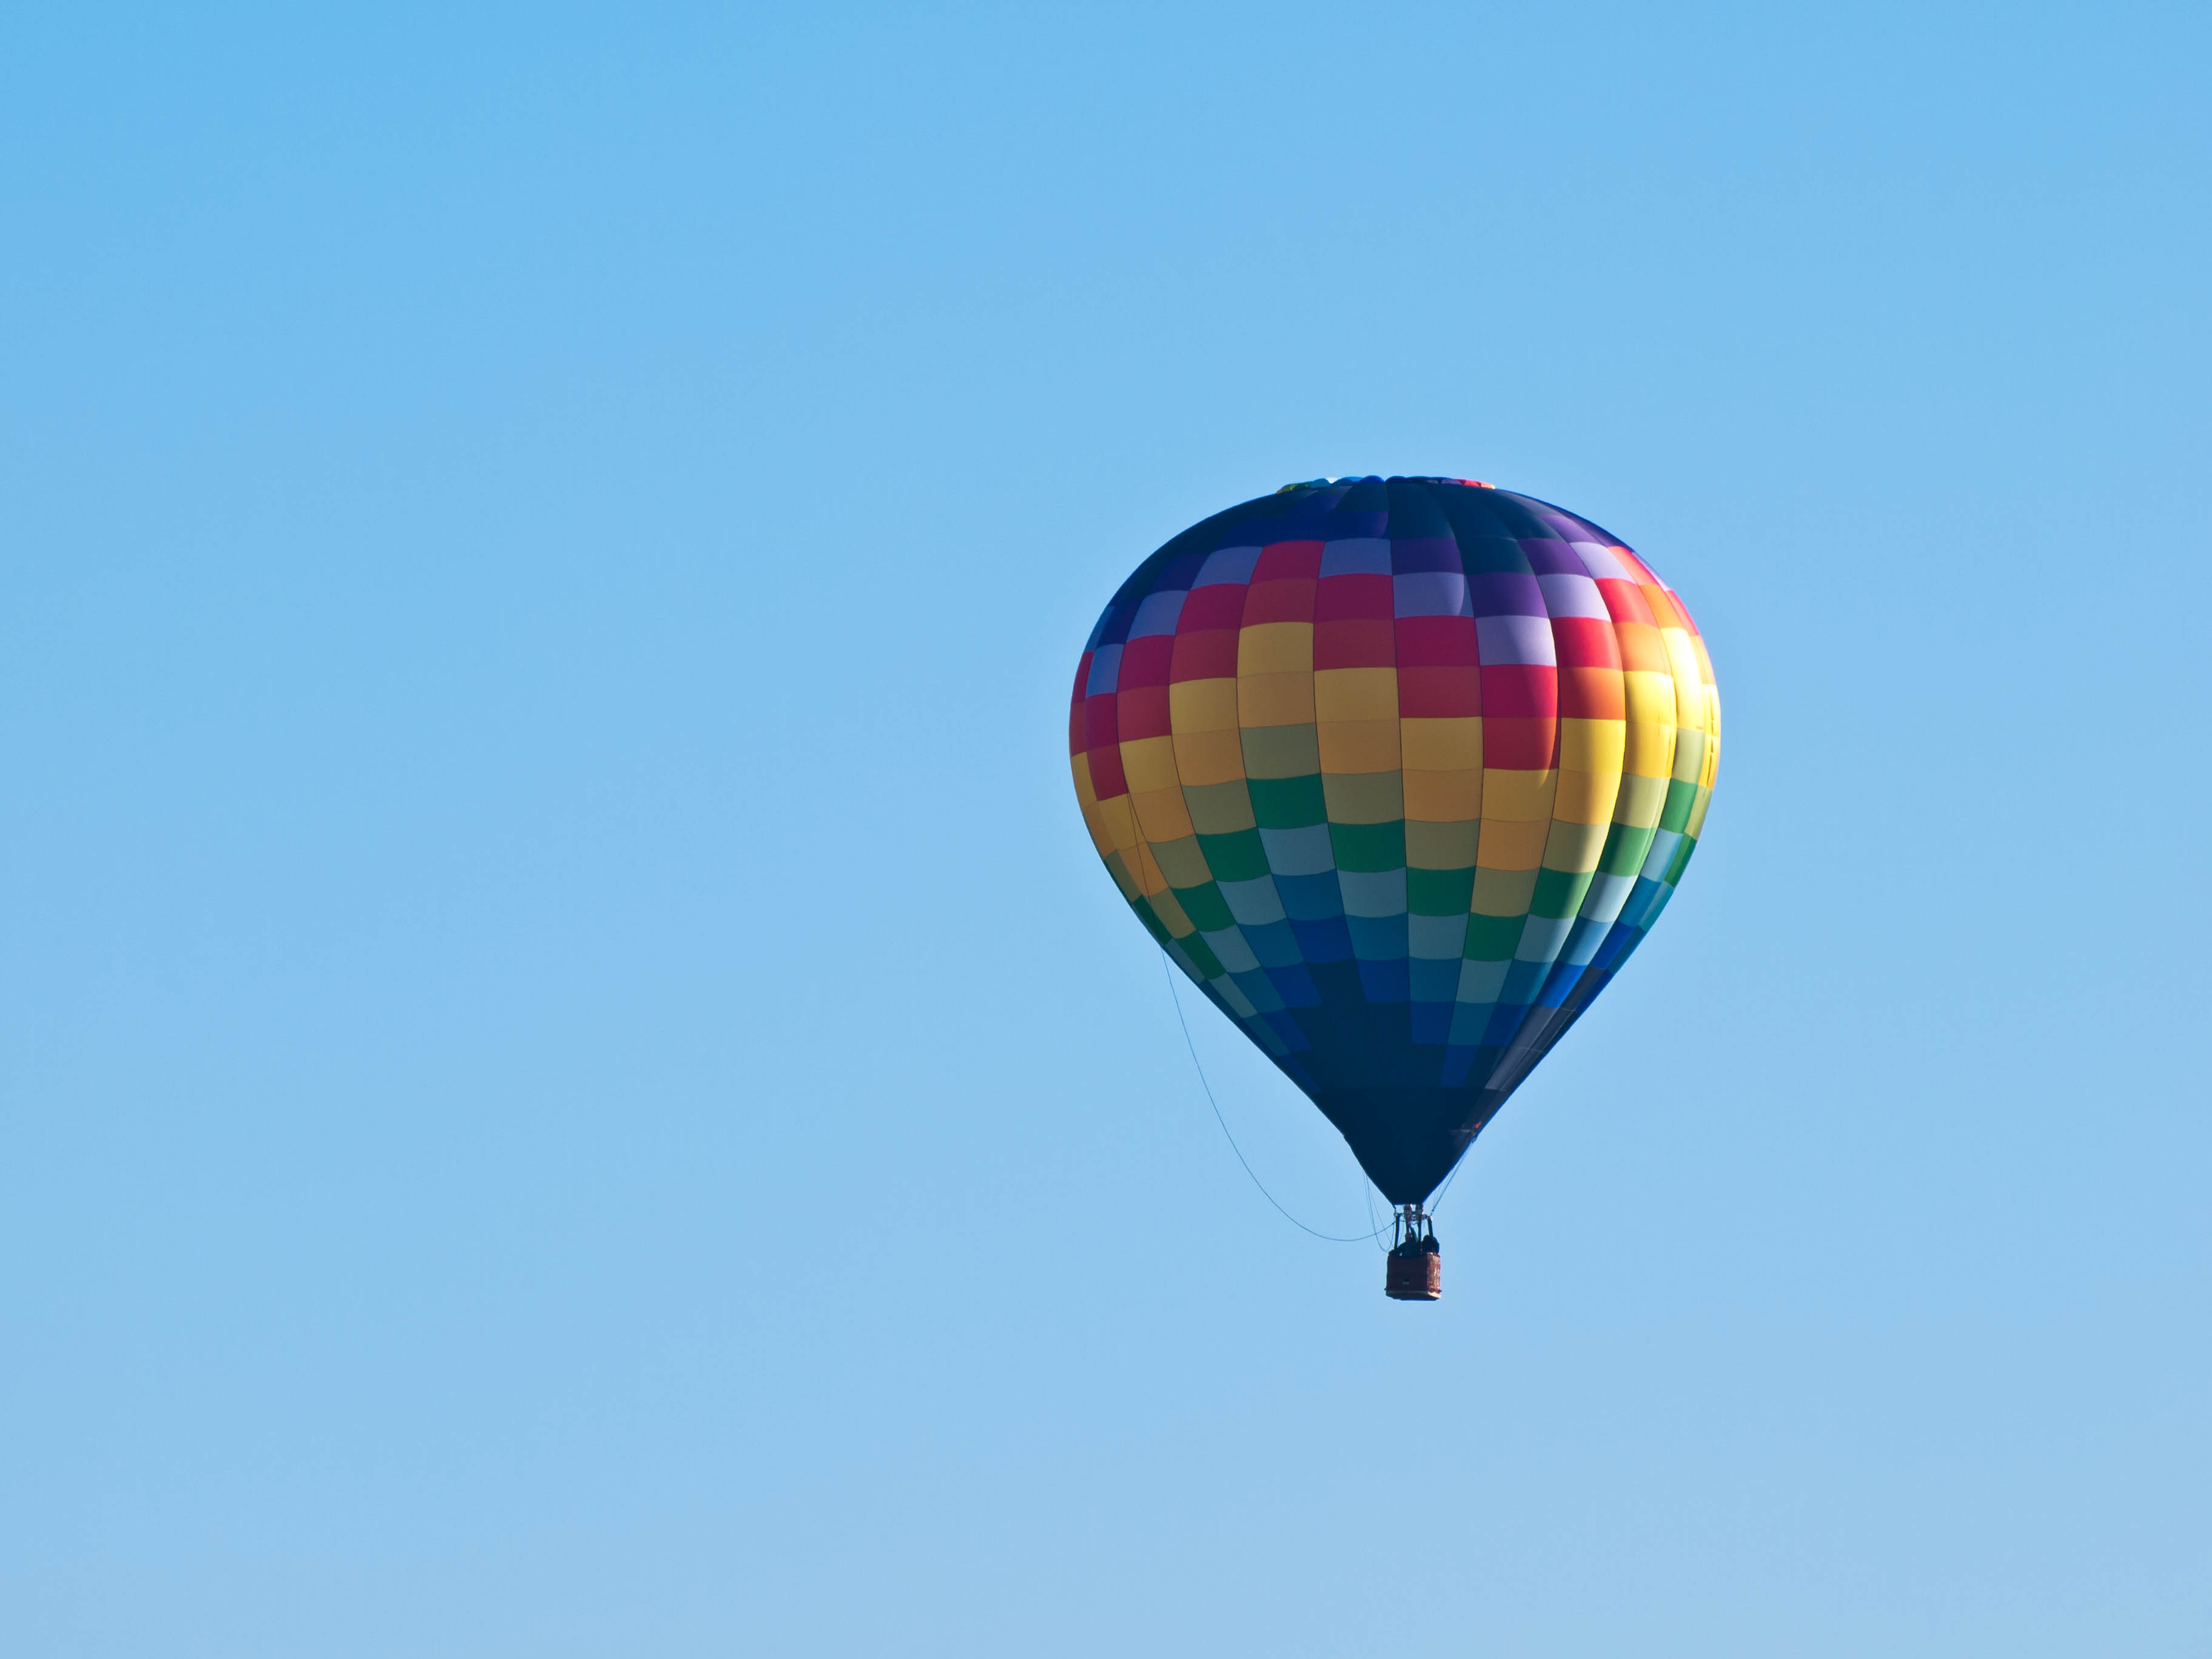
<point>1564,596</point>
<point>1230,564</point>
<point>1157,613</point>
<point>1180,572</point>
<point>1431,594</point>
<point>1510,639</point>
<point>1600,561</point>
<point>1505,593</point>
<point>1356,557</point>
<point>1410,553</point>
<point>1550,559</point>
<point>1105,668</point>
<point>1114,626</point>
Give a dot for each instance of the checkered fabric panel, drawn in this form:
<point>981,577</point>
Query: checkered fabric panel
<point>1399,771</point>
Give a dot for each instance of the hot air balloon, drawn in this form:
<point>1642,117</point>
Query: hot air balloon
<point>1399,771</point>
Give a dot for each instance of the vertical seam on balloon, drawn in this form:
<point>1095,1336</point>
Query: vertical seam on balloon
<point>1451,534</point>
<point>1244,611</point>
<point>1558,964</point>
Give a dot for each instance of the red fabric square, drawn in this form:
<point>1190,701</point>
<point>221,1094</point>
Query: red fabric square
<point>1437,642</point>
<point>1145,662</point>
<point>1625,600</point>
<point>1279,601</point>
<point>1107,778</point>
<point>1208,656</point>
<point>1643,573</point>
<point>1341,597</point>
<point>1520,691</point>
<point>1641,648</point>
<point>1369,642</point>
<point>1518,745</point>
<point>1142,712</point>
<point>1592,694</point>
<point>1438,693</point>
<point>1580,642</point>
<point>1100,729</point>
<point>1283,560</point>
<point>1221,605</point>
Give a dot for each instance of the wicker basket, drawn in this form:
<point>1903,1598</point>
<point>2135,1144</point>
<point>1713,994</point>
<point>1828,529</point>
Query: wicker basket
<point>1413,1278</point>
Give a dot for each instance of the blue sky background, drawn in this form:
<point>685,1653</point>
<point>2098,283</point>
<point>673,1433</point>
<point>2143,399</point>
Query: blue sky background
<point>570,1085</point>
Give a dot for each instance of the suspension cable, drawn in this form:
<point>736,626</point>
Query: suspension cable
<point>1168,964</point>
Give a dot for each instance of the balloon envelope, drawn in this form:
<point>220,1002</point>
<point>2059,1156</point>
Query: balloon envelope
<point>1399,771</point>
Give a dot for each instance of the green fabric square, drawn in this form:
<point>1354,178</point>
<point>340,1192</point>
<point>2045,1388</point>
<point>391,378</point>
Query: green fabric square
<point>1625,847</point>
<point>1681,862</point>
<point>1207,910</point>
<point>1240,857</point>
<point>1288,803</point>
<point>1492,939</point>
<point>1439,892</point>
<point>1558,892</point>
<point>1369,846</point>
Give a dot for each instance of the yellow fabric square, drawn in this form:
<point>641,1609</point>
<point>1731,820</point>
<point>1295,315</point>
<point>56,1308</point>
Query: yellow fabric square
<point>1145,869</point>
<point>1120,822</point>
<point>1162,814</point>
<point>1358,745</point>
<point>1517,796</point>
<point>1512,845</point>
<point>1651,751</point>
<point>1209,756</point>
<point>1442,745</point>
<point>1150,763</point>
<point>1274,699</point>
<point>1274,648</point>
<point>1443,797</point>
<point>1355,694</point>
<point>1587,745</point>
<point>1202,706</point>
<point>1585,797</point>
<point>1651,697</point>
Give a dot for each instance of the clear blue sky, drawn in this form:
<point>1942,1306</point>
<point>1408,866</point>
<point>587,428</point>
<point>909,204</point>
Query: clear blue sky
<point>570,1083</point>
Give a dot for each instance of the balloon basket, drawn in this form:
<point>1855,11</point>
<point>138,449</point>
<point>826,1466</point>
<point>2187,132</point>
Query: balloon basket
<point>1413,1278</point>
<point>1414,1269</point>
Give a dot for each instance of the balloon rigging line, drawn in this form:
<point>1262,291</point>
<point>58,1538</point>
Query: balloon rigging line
<point>1446,1188</point>
<point>1167,962</point>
